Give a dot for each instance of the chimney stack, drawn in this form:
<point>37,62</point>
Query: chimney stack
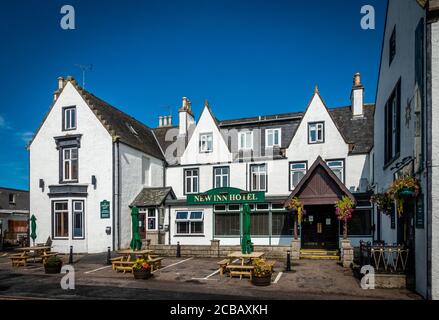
<point>357,96</point>
<point>185,117</point>
<point>60,83</point>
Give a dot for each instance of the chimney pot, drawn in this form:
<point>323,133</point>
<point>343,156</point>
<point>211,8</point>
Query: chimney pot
<point>160,121</point>
<point>60,83</point>
<point>357,80</point>
<point>170,120</point>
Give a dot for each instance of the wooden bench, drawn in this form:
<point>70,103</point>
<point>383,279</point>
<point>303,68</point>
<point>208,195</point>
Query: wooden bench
<point>116,261</point>
<point>19,259</point>
<point>125,266</point>
<point>240,270</point>
<point>156,263</point>
<point>222,265</point>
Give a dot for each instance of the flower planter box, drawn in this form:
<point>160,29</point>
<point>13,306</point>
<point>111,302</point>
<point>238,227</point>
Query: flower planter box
<point>142,274</point>
<point>406,193</point>
<point>52,269</point>
<point>262,281</point>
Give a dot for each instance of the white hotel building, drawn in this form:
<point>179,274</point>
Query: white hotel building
<point>90,163</point>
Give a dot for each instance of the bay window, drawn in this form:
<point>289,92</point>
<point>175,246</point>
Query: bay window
<point>60,219</point>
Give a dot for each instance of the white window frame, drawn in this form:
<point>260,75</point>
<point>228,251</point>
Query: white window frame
<point>246,144</point>
<point>54,223</point>
<point>338,167</point>
<point>71,124</point>
<point>221,175</point>
<point>82,213</point>
<point>69,161</point>
<point>192,178</point>
<point>189,221</point>
<point>154,218</point>
<point>296,170</point>
<point>273,132</point>
<point>258,175</point>
<point>319,126</point>
<point>206,142</point>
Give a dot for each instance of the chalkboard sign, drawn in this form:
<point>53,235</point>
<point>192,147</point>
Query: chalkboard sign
<point>420,212</point>
<point>105,209</point>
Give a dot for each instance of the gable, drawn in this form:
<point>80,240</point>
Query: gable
<point>206,124</point>
<point>51,126</point>
<point>317,112</point>
<point>320,186</point>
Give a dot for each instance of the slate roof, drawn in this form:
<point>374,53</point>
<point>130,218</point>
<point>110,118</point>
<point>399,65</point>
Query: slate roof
<point>21,199</point>
<point>129,130</point>
<point>151,197</point>
<point>119,124</point>
<point>358,132</point>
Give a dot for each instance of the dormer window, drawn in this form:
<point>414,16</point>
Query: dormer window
<point>69,118</point>
<point>272,137</point>
<point>316,132</point>
<point>246,140</point>
<point>11,198</point>
<point>206,142</point>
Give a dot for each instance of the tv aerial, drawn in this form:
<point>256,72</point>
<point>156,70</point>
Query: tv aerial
<point>84,68</point>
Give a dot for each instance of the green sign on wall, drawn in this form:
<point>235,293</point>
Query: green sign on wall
<point>105,209</point>
<point>225,196</point>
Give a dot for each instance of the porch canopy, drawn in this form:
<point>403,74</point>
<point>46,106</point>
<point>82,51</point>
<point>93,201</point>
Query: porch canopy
<point>320,186</point>
<point>153,197</point>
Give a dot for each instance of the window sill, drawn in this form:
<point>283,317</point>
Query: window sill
<point>60,238</point>
<point>189,236</point>
<point>391,161</point>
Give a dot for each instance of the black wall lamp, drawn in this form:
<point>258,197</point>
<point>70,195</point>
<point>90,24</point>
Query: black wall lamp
<point>94,181</point>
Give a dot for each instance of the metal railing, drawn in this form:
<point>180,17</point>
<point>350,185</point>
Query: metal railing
<point>384,258</point>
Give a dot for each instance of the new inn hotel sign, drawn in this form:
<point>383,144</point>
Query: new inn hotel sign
<point>225,196</point>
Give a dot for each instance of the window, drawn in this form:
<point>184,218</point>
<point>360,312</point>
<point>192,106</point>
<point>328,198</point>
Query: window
<point>221,177</point>
<point>152,219</point>
<point>69,118</point>
<point>316,132</point>
<point>245,140</point>
<point>70,164</point>
<point>191,181</point>
<point>392,126</point>
<point>190,223</point>
<point>227,224</point>
<point>337,166</point>
<point>60,219</point>
<point>297,172</point>
<point>11,198</point>
<point>78,219</point>
<point>258,177</point>
<point>272,137</point>
<point>392,46</point>
<point>282,224</point>
<point>206,142</point>
<point>360,224</point>
<point>259,224</point>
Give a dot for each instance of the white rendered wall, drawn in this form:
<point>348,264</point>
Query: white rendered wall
<point>132,183</point>
<point>435,161</point>
<point>406,16</point>
<point>95,158</point>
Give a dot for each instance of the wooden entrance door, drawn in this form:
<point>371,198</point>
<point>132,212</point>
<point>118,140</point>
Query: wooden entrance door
<point>142,225</point>
<point>320,228</point>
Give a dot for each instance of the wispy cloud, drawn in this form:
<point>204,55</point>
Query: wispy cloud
<point>26,136</point>
<point>4,124</point>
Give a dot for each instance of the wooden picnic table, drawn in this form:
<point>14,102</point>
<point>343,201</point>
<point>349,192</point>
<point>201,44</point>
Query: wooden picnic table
<point>243,256</point>
<point>35,248</point>
<point>129,252</point>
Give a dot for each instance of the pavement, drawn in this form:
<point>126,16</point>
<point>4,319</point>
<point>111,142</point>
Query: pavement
<point>187,279</point>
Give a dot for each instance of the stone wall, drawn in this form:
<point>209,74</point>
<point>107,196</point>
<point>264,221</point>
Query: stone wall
<point>215,250</point>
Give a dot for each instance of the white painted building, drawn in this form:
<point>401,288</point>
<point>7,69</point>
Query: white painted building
<point>86,152</point>
<point>405,134</point>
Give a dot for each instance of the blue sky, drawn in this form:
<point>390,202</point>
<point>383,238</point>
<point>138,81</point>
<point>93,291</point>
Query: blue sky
<point>247,57</point>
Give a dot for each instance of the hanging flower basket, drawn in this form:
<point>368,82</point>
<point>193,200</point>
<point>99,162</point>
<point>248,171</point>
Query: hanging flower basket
<point>344,209</point>
<point>297,206</point>
<point>384,202</point>
<point>402,189</point>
